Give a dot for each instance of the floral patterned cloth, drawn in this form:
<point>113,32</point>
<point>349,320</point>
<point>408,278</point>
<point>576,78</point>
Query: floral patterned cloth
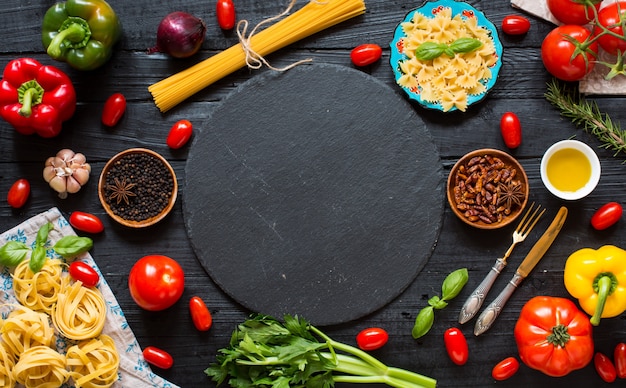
<point>134,372</point>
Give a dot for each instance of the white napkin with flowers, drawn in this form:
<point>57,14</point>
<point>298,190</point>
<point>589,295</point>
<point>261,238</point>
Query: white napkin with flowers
<point>133,372</point>
<point>594,82</point>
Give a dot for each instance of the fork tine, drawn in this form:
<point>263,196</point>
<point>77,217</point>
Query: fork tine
<point>521,223</point>
<point>532,221</point>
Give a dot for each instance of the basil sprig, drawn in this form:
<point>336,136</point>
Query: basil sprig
<point>14,252</point>
<point>451,287</point>
<point>431,50</point>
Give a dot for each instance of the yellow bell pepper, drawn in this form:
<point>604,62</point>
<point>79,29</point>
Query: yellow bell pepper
<point>597,278</point>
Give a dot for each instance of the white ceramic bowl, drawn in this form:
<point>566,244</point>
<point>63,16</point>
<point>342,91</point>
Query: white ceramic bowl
<point>593,161</point>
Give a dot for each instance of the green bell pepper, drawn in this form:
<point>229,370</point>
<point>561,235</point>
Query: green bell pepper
<point>81,32</point>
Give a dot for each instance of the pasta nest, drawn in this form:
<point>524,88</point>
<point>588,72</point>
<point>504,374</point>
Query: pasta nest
<point>24,329</point>
<point>7,361</point>
<point>93,363</point>
<point>39,291</point>
<point>80,312</point>
<point>41,367</point>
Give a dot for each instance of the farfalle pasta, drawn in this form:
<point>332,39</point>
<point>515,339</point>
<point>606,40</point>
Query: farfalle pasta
<point>446,79</point>
<point>80,312</point>
<point>93,363</point>
<point>39,291</point>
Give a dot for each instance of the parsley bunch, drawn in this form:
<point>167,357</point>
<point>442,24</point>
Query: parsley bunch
<point>264,352</point>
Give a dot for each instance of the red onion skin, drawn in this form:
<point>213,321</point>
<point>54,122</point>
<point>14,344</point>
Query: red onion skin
<point>180,35</point>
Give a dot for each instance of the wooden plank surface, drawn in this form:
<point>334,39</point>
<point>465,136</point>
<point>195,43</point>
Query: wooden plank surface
<point>520,88</point>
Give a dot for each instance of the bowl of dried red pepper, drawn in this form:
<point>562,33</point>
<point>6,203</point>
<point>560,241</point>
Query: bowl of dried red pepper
<point>487,188</point>
<point>137,187</point>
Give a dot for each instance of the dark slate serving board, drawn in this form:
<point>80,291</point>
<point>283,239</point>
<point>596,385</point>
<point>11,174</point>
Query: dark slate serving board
<point>317,192</point>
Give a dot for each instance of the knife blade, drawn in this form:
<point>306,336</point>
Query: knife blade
<point>489,315</point>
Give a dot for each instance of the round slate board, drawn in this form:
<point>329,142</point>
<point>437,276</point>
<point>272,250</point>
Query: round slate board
<point>317,192</point>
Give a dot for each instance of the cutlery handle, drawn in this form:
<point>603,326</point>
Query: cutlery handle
<point>477,298</point>
<point>489,315</point>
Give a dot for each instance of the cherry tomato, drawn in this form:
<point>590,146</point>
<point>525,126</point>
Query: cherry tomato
<point>83,272</point>
<point>226,16</point>
<point>114,108</point>
<point>511,130</point>
<point>200,314</point>
<point>611,17</point>
<point>366,54</point>
<point>156,282</point>
<point>158,357</point>
<point>557,52</point>
<point>179,134</point>
<point>505,369</point>
<point>372,338</point>
<point>606,216</point>
<point>619,358</point>
<point>604,367</point>
<point>86,222</point>
<point>18,193</point>
<point>456,345</point>
<point>515,25</point>
<point>571,11</point>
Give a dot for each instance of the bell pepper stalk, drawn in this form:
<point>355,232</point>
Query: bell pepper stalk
<point>554,336</point>
<point>81,32</point>
<point>35,98</point>
<point>597,278</point>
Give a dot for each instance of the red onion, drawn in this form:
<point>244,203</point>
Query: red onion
<point>180,35</point>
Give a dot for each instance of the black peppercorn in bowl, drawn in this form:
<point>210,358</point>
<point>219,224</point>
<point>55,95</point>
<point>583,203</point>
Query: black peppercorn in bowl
<point>137,187</point>
<point>487,189</point>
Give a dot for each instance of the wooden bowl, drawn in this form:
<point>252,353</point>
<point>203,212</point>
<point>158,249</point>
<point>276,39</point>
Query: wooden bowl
<point>487,189</point>
<point>137,188</point>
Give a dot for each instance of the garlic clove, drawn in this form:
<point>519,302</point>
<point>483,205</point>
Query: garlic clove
<point>49,172</point>
<point>65,154</point>
<point>59,184</point>
<point>78,159</point>
<point>72,185</point>
<point>81,175</point>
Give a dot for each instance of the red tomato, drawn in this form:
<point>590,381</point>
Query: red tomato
<point>158,357</point>
<point>179,134</point>
<point>366,54</point>
<point>611,17</point>
<point>86,222</point>
<point>571,11</point>
<point>84,273</point>
<point>557,51</point>
<point>156,282</point>
<point>505,369</point>
<point>226,16</point>
<point>114,108</point>
<point>604,367</point>
<point>606,216</point>
<point>372,338</point>
<point>18,193</point>
<point>200,314</point>
<point>619,358</point>
<point>511,130</point>
<point>456,345</point>
<point>515,25</point>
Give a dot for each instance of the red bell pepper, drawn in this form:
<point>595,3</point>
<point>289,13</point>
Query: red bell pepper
<point>35,98</point>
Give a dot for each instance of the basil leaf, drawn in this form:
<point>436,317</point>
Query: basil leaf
<point>423,322</point>
<point>454,283</point>
<point>12,253</point>
<point>70,246</point>
<point>430,50</point>
<point>437,302</point>
<point>37,259</point>
<point>465,45</point>
<point>42,234</point>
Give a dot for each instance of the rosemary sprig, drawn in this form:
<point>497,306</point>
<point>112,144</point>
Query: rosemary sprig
<point>587,115</point>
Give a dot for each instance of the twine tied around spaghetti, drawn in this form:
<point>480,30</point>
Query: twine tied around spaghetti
<point>253,59</point>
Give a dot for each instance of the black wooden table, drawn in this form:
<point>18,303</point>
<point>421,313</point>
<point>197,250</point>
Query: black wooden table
<point>520,88</point>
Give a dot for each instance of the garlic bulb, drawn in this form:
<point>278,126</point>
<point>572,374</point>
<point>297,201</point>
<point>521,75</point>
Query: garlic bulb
<point>66,172</point>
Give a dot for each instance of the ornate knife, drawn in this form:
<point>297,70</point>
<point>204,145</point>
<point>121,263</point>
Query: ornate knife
<point>489,315</point>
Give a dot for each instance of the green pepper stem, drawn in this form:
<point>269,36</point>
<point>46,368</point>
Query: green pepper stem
<point>604,290</point>
<point>74,33</point>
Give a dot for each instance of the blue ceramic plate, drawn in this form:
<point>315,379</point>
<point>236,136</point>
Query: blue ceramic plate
<point>429,10</point>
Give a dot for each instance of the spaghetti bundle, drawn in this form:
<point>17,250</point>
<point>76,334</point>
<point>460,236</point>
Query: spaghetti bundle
<point>39,291</point>
<point>80,312</point>
<point>41,367</point>
<point>93,363</point>
<point>312,18</point>
<point>24,329</point>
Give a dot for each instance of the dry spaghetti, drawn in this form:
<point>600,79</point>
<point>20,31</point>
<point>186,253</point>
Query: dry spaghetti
<point>80,312</point>
<point>39,291</point>
<point>312,18</point>
<point>93,363</point>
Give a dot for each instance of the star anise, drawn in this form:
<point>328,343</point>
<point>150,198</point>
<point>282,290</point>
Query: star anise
<point>121,191</point>
<point>510,194</point>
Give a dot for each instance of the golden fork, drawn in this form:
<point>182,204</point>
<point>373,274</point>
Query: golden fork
<point>476,299</point>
